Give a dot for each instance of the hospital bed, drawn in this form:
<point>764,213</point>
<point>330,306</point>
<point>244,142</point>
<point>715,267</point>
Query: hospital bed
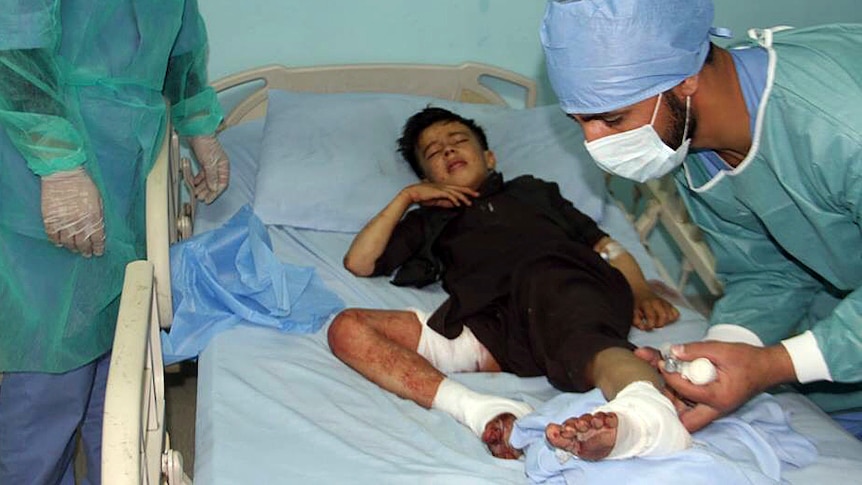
<point>277,407</point>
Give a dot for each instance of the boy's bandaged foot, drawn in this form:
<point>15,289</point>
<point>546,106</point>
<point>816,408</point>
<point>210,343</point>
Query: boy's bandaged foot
<point>496,437</point>
<point>473,409</point>
<point>640,421</point>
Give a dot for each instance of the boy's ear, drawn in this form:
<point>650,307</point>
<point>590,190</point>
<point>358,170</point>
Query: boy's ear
<point>490,160</point>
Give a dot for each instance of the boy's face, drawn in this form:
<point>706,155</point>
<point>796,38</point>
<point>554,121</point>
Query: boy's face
<point>451,154</point>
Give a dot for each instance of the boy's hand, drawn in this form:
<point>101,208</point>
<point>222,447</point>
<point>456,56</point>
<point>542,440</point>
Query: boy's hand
<point>439,195</point>
<point>652,311</point>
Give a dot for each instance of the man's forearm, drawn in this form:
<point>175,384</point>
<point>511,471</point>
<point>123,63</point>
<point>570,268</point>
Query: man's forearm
<point>777,366</point>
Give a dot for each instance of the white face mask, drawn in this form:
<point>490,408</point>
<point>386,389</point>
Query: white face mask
<point>640,154</point>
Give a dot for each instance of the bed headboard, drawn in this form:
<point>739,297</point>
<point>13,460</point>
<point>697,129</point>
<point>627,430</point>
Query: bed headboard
<point>456,83</point>
<point>170,214</point>
<point>468,82</point>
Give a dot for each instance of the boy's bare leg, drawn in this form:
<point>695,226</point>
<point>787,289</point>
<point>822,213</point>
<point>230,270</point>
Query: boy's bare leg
<point>381,345</point>
<point>593,436</point>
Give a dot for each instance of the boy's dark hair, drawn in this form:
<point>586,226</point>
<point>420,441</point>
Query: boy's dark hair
<point>417,123</point>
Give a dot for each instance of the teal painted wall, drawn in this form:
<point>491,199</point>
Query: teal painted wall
<point>249,33</point>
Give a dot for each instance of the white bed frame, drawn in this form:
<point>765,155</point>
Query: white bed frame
<point>665,206</point>
<point>136,446</point>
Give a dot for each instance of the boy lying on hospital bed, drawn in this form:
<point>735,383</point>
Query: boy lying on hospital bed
<point>535,288</point>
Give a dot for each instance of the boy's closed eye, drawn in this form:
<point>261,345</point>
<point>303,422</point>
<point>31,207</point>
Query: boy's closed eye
<point>433,150</point>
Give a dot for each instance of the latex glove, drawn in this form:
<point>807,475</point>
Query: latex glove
<point>72,212</point>
<point>214,172</point>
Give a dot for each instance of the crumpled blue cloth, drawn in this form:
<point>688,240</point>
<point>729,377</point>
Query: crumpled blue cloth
<point>230,276</point>
<point>750,446</point>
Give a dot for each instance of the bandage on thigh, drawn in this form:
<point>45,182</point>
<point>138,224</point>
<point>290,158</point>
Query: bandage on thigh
<point>462,354</point>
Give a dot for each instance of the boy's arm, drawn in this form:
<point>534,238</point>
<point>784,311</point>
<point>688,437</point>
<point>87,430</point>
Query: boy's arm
<point>371,241</point>
<point>622,260</point>
<point>651,311</point>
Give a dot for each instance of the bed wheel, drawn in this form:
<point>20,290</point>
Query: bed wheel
<point>185,227</point>
<point>172,468</point>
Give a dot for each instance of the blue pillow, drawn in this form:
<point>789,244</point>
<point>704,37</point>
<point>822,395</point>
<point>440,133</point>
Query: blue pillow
<point>329,161</point>
<point>242,144</point>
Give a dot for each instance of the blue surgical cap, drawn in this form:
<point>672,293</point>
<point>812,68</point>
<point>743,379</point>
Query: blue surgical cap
<point>603,55</point>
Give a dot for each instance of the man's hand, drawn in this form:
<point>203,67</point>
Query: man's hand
<point>72,212</point>
<point>743,372</point>
<point>214,174</point>
<point>652,311</point>
<point>440,195</point>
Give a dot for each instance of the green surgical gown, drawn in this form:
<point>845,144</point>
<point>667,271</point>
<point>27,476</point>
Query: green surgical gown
<point>83,83</point>
<point>786,224</point>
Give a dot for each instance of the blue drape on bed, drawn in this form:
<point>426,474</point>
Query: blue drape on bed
<point>230,276</point>
<point>752,445</point>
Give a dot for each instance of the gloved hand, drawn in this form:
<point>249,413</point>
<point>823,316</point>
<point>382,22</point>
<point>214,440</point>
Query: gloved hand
<point>72,212</point>
<point>214,173</point>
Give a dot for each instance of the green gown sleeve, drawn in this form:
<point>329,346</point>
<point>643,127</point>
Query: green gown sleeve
<point>839,335</point>
<point>195,109</point>
<point>769,292</point>
<point>765,289</point>
<point>33,108</point>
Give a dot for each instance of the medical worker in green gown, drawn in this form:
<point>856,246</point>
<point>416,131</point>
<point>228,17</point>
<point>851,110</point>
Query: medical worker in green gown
<point>82,115</point>
<point>765,145</point>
